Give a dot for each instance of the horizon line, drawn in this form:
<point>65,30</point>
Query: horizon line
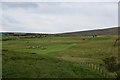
<point>58,32</point>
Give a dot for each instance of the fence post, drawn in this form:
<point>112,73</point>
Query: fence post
<point>98,68</point>
<point>92,66</point>
<point>101,70</point>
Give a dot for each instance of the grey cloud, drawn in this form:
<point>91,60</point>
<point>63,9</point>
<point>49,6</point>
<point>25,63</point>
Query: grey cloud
<point>58,17</point>
<point>24,5</point>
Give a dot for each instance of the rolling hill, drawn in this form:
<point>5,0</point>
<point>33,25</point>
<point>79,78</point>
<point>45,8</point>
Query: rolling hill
<point>107,31</point>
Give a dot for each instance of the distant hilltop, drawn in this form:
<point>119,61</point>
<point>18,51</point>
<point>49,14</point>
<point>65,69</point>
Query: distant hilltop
<point>107,31</point>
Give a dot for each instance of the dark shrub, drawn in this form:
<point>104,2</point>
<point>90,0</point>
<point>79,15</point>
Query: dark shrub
<point>110,63</point>
<point>83,39</point>
<point>4,50</point>
<point>33,53</point>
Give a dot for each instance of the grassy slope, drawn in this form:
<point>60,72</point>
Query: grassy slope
<point>24,65</point>
<point>56,56</point>
<point>0,66</point>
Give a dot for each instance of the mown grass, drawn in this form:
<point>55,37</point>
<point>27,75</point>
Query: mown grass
<point>55,57</point>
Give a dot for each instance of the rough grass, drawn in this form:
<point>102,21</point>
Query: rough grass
<point>26,65</point>
<point>55,57</point>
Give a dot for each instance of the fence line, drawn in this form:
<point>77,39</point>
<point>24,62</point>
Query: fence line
<point>101,70</point>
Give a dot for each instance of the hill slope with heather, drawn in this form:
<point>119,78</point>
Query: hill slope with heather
<point>107,31</point>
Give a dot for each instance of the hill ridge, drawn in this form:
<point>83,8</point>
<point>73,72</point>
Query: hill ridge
<point>105,31</point>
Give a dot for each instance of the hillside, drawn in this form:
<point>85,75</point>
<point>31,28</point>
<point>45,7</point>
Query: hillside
<point>57,57</point>
<point>107,31</point>
<point>35,55</point>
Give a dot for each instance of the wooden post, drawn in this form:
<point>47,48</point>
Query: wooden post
<point>92,66</point>
<point>117,40</point>
<point>95,67</point>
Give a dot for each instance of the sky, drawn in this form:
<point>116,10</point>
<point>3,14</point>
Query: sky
<point>57,17</point>
<point>60,0</point>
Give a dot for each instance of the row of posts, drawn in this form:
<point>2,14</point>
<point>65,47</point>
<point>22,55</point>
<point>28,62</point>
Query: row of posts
<point>102,71</point>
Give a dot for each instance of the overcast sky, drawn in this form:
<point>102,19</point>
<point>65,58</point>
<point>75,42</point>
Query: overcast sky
<point>55,17</point>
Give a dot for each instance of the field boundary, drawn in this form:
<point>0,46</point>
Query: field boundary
<point>99,69</point>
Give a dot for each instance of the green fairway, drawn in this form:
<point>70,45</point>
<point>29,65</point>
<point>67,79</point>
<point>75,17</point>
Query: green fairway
<point>56,57</point>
